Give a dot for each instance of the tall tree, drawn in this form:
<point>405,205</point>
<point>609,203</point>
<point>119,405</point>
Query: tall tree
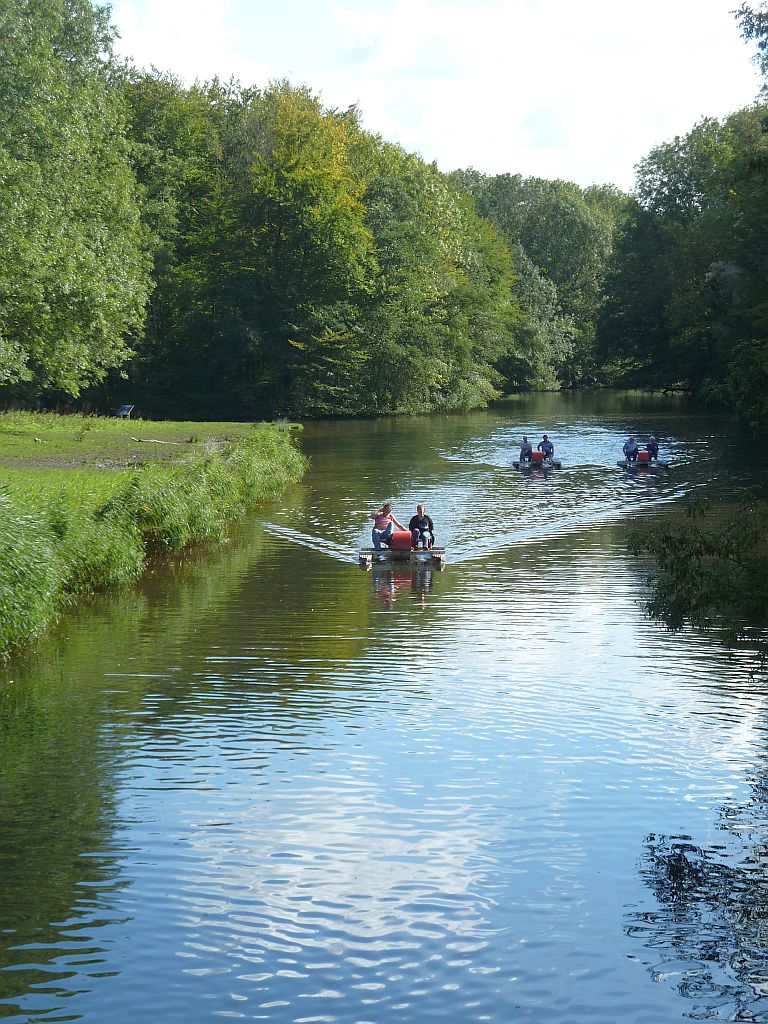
<point>74,274</point>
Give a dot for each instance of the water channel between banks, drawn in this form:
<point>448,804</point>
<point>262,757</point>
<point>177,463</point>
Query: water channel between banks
<point>263,785</point>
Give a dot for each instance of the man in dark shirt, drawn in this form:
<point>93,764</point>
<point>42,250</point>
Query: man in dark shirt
<point>546,447</point>
<point>422,529</point>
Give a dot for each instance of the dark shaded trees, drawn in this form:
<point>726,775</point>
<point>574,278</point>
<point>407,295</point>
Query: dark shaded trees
<point>563,237</point>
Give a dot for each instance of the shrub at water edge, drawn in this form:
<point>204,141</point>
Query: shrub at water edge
<point>64,547</point>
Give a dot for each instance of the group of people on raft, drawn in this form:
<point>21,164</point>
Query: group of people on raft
<point>421,527</point>
<point>544,446</point>
<point>631,449</point>
<point>547,449</point>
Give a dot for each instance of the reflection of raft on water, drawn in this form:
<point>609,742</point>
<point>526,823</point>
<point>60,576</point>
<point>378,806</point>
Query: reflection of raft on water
<point>538,461</point>
<point>643,462</point>
<point>400,553</point>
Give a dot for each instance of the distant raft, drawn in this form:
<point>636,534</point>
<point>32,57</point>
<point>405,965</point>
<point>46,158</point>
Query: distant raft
<point>537,461</point>
<point>643,461</point>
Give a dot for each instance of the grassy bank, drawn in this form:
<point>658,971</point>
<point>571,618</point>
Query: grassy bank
<point>83,502</point>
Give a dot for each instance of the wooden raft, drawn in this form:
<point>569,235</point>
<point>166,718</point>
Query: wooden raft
<point>385,556</point>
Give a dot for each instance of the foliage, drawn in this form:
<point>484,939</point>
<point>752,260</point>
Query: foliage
<point>562,238</point>
<point>711,571</point>
<point>94,529</point>
<point>754,26</point>
<point>304,266</point>
<point>30,578</point>
<point>74,276</point>
<point>688,287</point>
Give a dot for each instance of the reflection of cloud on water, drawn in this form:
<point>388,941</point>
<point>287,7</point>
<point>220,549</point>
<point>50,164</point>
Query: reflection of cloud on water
<point>347,863</point>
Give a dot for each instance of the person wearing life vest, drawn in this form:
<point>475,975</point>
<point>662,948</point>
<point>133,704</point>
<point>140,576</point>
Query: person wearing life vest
<point>653,448</point>
<point>384,523</point>
<point>526,450</point>
<point>630,450</point>
<point>422,529</point>
<point>546,447</point>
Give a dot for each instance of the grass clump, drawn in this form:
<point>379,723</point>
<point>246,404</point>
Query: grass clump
<point>91,529</point>
<point>29,573</point>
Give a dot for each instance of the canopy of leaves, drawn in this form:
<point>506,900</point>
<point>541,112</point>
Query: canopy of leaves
<point>563,238</point>
<point>304,266</point>
<point>74,276</point>
<point>688,287</point>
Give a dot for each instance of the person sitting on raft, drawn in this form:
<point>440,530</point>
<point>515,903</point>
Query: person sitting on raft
<point>630,450</point>
<point>546,447</point>
<point>384,523</point>
<point>653,448</point>
<point>422,529</point>
<point>526,450</point>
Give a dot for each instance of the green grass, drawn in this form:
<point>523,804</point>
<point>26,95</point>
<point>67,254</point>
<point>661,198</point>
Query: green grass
<point>65,531</point>
<point>48,439</point>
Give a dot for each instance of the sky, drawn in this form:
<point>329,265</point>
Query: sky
<point>574,89</point>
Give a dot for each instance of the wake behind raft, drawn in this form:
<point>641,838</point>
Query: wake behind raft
<point>401,551</point>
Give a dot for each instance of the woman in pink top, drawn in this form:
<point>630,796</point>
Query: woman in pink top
<point>384,523</point>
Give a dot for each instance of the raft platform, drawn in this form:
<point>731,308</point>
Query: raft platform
<point>626,464</point>
<point>543,464</point>
<point>369,557</point>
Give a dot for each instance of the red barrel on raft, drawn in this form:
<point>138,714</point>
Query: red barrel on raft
<point>400,540</point>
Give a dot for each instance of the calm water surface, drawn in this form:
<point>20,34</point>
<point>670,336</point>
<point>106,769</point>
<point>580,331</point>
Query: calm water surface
<point>263,785</point>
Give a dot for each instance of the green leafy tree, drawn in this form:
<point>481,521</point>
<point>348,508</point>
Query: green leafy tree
<point>74,275</point>
<point>687,292</point>
<point>566,234</point>
<point>753,21</point>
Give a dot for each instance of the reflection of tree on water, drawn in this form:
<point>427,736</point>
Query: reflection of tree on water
<point>388,583</point>
<point>709,933</point>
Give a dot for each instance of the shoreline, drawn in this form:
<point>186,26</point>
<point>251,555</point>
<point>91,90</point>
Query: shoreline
<point>76,528</point>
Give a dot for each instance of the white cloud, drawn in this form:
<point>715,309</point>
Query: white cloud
<point>615,84</point>
<point>544,87</point>
<point>192,38</point>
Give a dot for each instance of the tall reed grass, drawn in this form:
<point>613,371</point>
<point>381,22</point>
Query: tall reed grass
<point>58,540</point>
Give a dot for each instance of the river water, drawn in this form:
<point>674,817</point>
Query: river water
<point>265,785</point>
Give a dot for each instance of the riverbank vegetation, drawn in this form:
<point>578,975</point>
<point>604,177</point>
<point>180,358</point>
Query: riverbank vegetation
<point>710,570</point>
<point>68,528</point>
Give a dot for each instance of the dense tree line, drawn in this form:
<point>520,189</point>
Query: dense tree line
<point>225,251</point>
<point>246,252</point>
<point>562,238</point>
<point>687,290</point>
<point>305,266</point>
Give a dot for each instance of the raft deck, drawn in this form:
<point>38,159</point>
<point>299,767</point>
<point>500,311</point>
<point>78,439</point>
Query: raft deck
<point>544,464</point>
<point>626,464</point>
<point>369,557</point>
